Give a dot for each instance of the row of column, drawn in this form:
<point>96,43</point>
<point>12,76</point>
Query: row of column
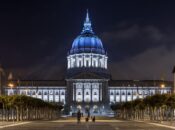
<point>90,61</point>
<point>94,94</point>
<point>60,97</point>
<point>132,94</point>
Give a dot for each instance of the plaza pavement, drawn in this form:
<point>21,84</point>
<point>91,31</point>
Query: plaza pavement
<point>98,125</point>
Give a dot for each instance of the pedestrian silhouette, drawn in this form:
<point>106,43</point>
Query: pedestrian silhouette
<point>78,116</point>
<point>93,119</point>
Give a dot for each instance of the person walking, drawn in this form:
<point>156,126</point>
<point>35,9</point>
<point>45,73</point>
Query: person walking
<point>78,116</point>
<point>93,119</point>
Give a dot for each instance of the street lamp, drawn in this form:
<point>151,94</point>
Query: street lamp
<point>11,85</point>
<point>162,86</point>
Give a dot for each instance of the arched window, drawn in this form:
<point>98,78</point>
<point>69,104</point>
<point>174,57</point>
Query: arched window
<point>28,92</point>
<point>87,93</point>
<point>45,93</point>
<point>79,63</point>
<point>87,100</point>
<point>62,100</point>
<point>39,93</point>
<point>112,93</point>
<point>51,92</point>
<point>56,93</point>
<point>99,64</point>
<point>95,93</point>
<point>87,63</point>
<point>95,100</point>
<point>62,93</point>
<point>117,93</point>
<point>94,64</point>
<point>79,93</point>
<point>123,93</point>
<point>23,92</point>
<point>129,93</point>
<point>33,93</point>
<point>79,100</point>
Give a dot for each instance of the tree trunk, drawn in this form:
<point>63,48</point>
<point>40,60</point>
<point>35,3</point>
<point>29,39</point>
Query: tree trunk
<point>17,113</point>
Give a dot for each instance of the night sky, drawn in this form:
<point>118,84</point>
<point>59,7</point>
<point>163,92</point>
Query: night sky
<point>139,36</point>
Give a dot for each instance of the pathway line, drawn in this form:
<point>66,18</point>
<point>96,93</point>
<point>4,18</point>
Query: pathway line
<point>157,124</point>
<point>14,124</point>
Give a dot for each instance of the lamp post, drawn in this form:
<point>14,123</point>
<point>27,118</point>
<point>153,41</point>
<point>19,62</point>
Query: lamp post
<point>162,86</point>
<point>11,85</point>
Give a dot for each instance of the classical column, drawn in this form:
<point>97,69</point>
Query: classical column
<point>83,91</point>
<point>73,91</point>
<point>54,95</point>
<point>132,94</point>
<point>99,88</point>
<point>91,90</point>
<point>115,95</point>
<point>126,95</point>
<point>101,92</point>
<point>59,95</point>
<point>48,95</point>
<point>83,60</point>
<point>41,94</point>
<point>120,95</point>
<point>76,64</point>
<point>70,61</point>
<point>91,60</point>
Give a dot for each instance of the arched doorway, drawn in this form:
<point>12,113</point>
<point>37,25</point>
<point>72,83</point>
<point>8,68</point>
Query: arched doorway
<point>79,108</point>
<point>95,109</point>
<point>87,110</point>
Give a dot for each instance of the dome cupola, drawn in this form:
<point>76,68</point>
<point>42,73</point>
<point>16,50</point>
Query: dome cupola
<point>87,52</point>
<point>87,41</point>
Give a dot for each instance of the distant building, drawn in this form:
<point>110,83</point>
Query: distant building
<point>88,85</point>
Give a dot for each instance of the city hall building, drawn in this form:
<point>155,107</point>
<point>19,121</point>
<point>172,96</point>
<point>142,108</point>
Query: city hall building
<point>88,85</point>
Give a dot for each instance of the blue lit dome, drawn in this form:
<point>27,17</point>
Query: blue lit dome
<point>87,41</point>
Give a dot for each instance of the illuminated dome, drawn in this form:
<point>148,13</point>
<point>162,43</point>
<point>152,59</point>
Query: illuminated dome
<point>87,41</point>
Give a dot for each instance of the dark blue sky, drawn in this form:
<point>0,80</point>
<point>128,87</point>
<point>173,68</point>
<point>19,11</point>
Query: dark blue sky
<point>139,36</point>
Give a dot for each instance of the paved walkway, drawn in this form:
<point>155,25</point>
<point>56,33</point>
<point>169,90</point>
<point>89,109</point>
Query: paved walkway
<point>71,124</point>
<point>162,124</point>
<point>11,124</point>
<point>99,125</point>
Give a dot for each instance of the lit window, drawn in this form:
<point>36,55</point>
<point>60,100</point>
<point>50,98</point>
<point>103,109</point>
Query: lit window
<point>95,100</point>
<point>87,63</point>
<point>78,100</point>
<point>51,92</point>
<point>23,93</point>
<point>39,93</point>
<point>28,93</point>
<point>87,100</point>
<point>62,93</point>
<point>79,63</point>
<point>33,93</point>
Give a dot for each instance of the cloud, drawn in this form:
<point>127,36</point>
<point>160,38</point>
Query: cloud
<point>156,63</point>
<point>141,52</point>
<point>134,51</point>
